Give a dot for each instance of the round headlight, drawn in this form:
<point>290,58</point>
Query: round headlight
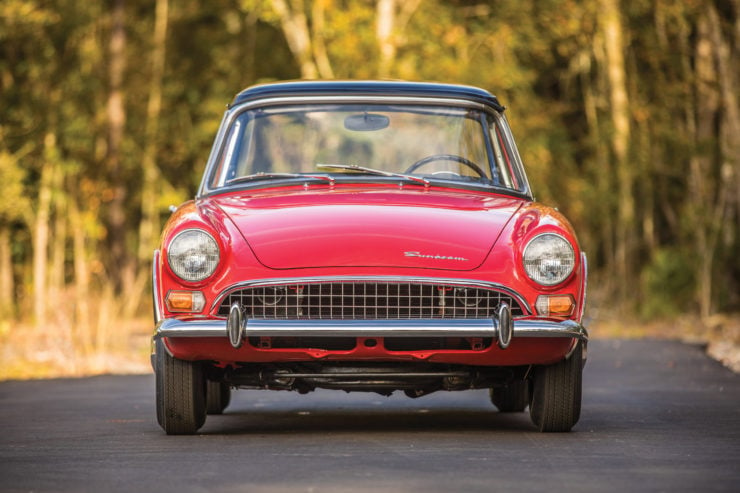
<point>193,255</point>
<point>549,259</point>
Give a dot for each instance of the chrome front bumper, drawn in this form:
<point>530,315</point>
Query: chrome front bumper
<point>237,330</point>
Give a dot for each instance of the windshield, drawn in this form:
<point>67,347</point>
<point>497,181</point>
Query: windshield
<point>423,144</point>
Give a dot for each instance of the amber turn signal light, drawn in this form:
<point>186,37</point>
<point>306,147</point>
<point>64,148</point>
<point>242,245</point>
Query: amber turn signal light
<point>185,301</point>
<point>557,305</point>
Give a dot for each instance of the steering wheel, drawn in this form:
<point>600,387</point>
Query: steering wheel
<point>446,157</point>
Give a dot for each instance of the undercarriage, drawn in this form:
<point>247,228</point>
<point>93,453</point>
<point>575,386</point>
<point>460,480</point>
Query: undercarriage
<point>415,380</point>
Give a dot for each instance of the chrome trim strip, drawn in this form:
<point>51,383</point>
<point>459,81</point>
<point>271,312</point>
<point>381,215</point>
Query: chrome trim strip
<point>372,99</point>
<point>235,326</point>
<point>388,279</point>
<point>546,328</point>
<point>514,150</point>
<point>172,327</point>
<point>374,328</point>
<point>506,326</point>
<point>476,327</point>
<point>158,315</point>
<point>584,276</point>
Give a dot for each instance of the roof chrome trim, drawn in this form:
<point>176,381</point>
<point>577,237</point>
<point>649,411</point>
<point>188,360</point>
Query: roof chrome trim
<point>400,88</point>
<point>349,98</point>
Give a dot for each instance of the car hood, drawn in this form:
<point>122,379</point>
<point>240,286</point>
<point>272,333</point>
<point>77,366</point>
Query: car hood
<point>360,228</point>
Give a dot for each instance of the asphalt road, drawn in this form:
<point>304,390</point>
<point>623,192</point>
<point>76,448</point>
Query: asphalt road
<point>657,416</point>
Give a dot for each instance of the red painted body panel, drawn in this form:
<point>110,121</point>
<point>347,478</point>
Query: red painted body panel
<point>300,230</point>
<point>540,351</point>
<point>359,228</point>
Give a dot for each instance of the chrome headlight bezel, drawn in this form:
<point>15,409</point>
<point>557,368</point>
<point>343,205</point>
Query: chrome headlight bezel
<point>193,255</point>
<point>549,259</point>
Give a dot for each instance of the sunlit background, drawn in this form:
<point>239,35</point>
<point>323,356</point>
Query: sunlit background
<point>626,114</point>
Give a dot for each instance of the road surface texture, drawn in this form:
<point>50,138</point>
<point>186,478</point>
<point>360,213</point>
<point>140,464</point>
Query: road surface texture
<point>657,416</point>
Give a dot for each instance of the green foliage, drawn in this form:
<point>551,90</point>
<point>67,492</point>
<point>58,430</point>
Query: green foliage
<point>667,284</point>
<point>14,204</point>
<point>545,60</point>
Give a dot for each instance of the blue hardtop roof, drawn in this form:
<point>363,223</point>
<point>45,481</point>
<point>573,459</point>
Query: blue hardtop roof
<point>366,88</point>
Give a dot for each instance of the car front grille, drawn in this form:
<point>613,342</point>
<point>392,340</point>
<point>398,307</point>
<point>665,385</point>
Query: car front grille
<point>367,301</point>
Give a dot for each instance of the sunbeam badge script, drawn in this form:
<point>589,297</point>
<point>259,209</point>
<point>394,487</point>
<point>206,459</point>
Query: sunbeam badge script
<point>435,257</point>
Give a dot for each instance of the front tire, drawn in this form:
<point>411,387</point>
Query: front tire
<point>218,397</point>
<point>181,393</point>
<point>556,395</point>
<point>510,399</point>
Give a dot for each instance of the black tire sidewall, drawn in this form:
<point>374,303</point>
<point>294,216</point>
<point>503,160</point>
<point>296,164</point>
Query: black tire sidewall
<point>556,394</point>
<point>180,393</point>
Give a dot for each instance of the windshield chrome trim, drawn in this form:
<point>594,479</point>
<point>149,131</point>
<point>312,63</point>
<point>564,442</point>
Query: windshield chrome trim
<point>360,180</point>
<point>156,300</point>
<point>233,112</point>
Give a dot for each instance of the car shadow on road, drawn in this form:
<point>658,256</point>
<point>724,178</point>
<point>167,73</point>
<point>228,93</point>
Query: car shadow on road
<point>322,421</point>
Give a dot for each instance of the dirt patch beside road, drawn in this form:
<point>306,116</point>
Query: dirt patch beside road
<point>720,334</point>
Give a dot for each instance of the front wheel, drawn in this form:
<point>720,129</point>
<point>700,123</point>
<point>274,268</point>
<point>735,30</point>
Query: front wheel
<point>219,396</point>
<point>556,394</point>
<point>512,398</point>
<point>181,393</point>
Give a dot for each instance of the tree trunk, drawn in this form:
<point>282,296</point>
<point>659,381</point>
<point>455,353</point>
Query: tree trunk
<point>82,331</point>
<point>41,232</point>
<point>149,213</point>
<point>707,106</point>
<point>323,65</point>
<point>249,47</point>
<point>619,110</point>
<point>116,114</point>
<point>7,284</point>
<point>58,238</point>
<point>295,29</point>
<point>391,17</point>
<point>385,15</point>
<point>717,149</point>
<point>602,172</point>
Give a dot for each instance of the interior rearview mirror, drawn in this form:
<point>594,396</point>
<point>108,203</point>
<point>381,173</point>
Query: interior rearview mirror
<point>366,122</point>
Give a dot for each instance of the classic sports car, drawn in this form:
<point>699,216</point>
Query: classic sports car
<point>367,236</point>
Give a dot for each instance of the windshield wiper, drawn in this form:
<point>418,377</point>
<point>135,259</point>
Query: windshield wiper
<point>269,176</point>
<point>373,171</point>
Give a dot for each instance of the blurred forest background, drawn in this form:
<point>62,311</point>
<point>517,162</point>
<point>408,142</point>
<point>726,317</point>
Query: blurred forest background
<point>626,113</point>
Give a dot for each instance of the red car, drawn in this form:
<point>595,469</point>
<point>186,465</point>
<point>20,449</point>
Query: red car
<point>367,236</point>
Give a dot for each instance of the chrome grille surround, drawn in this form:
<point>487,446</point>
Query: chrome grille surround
<point>369,298</point>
